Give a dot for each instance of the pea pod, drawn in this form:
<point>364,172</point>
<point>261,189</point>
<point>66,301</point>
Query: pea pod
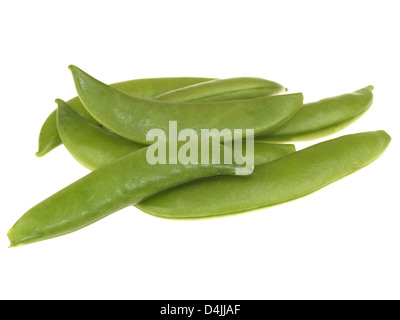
<point>88,143</point>
<point>224,89</point>
<point>94,147</point>
<point>119,184</point>
<point>284,179</point>
<point>132,117</point>
<point>146,88</point>
<point>322,118</point>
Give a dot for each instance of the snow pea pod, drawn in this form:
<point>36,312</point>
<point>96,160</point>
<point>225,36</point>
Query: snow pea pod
<point>146,88</point>
<point>132,117</point>
<point>287,178</point>
<point>322,118</point>
<point>224,89</point>
<point>119,184</point>
<point>94,147</point>
<point>88,143</point>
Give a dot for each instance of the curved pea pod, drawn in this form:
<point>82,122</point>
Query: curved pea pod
<point>119,184</point>
<point>322,118</point>
<point>282,180</point>
<point>146,88</point>
<point>224,89</point>
<point>132,117</point>
<point>94,147</point>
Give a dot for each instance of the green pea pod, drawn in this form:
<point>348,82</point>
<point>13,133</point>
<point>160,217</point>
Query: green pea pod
<point>94,147</point>
<point>322,118</point>
<point>146,88</point>
<point>171,89</point>
<point>88,143</point>
<point>282,180</point>
<point>132,117</point>
<point>119,184</point>
<point>224,89</point>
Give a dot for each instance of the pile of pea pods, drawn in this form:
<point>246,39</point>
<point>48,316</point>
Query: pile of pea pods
<point>105,129</point>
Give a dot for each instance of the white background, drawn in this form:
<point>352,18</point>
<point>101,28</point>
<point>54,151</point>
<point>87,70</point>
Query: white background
<point>341,242</point>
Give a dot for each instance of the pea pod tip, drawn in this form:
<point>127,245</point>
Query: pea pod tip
<point>59,101</point>
<point>74,69</point>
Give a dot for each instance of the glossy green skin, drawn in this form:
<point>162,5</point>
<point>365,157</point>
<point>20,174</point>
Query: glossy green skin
<point>94,147</point>
<point>132,117</point>
<point>224,89</point>
<point>282,180</point>
<point>322,118</point>
<point>119,184</point>
<point>146,88</point>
